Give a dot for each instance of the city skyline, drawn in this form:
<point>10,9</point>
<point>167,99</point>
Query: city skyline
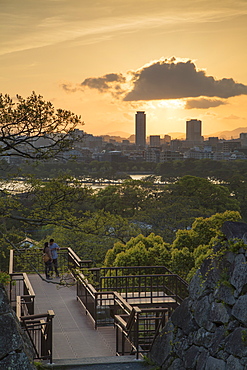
<point>175,60</point>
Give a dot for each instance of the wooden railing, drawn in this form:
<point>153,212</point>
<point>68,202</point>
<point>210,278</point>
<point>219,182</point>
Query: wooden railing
<point>21,287</point>
<point>39,330</point>
<point>38,327</point>
<point>147,289</point>
<point>30,260</point>
<point>135,333</point>
<point>137,300</point>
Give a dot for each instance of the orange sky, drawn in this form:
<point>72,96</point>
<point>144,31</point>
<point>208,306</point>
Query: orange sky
<point>104,60</point>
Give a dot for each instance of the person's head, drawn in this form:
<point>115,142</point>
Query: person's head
<point>51,241</point>
<point>46,244</point>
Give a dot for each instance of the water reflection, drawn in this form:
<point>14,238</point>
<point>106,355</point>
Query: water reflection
<point>21,186</point>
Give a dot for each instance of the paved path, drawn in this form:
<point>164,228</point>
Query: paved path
<point>74,335</point>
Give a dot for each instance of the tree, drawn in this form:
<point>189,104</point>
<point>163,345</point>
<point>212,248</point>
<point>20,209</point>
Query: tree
<point>63,209</point>
<point>139,251</point>
<point>191,247</point>
<point>211,196</point>
<point>183,256</point>
<point>238,186</point>
<point>125,199</point>
<point>203,230</point>
<point>32,128</point>
<point>169,208</point>
<point>29,128</point>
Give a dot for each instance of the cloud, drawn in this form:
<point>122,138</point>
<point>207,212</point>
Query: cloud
<point>109,83</point>
<point>103,84</point>
<point>68,87</point>
<point>166,79</point>
<point>203,103</point>
<point>169,79</point>
<point>232,116</point>
<point>34,24</point>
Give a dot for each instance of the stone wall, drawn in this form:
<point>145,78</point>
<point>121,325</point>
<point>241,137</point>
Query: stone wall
<point>209,329</point>
<point>15,348</point>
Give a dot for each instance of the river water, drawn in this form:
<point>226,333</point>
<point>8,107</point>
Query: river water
<point>21,186</point>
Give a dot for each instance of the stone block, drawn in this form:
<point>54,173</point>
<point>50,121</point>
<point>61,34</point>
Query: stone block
<point>236,343</point>
<point>239,310</point>
<point>215,364</point>
<point>234,230</point>
<point>202,359</point>
<point>224,293</point>
<point>164,345</point>
<point>239,275</point>
<point>219,313</point>
<point>233,363</point>
<point>191,356</point>
<point>16,361</point>
<point>10,339</point>
<point>4,302</point>
<point>183,318</point>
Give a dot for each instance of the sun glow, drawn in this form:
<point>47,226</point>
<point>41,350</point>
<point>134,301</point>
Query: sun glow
<point>171,104</point>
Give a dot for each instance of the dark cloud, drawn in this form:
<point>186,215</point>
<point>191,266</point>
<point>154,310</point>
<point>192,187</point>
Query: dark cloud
<point>169,80</point>
<point>68,88</point>
<point>165,79</point>
<point>203,103</point>
<point>103,84</point>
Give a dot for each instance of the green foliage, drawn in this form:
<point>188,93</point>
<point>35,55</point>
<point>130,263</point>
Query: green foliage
<point>139,251</point>
<point>148,362</point>
<point>158,222</point>
<point>4,278</point>
<point>135,256</point>
<point>196,244</point>
<point>201,253</point>
<point>244,336</point>
<point>112,253</point>
<point>209,195</point>
<point>189,249</point>
<point>125,199</point>
<point>40,365</point>
<point>203,230</point>
<point>181,261</point>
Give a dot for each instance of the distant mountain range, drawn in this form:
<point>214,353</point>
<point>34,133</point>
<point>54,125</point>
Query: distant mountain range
<point>122,134</point>
<point>234,134</point>
<point>227,135</point>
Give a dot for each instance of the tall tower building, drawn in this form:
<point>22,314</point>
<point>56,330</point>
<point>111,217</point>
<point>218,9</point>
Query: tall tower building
<point>194,130</point>
<point>140,128</point>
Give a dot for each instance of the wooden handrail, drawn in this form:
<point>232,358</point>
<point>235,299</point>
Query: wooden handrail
<point>127,307</point>
<point>28,284</point>
<point>42,343</point>
<point>49,313</point>
<point>11,261</point>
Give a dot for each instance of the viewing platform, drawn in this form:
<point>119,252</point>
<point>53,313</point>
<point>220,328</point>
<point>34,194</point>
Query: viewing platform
<point>114,317</point>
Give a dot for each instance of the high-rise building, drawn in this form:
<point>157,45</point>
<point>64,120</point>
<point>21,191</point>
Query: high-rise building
<point>194,130</point>
<point>243,139</point>
<point>140,128</point>
<point>154,141</point>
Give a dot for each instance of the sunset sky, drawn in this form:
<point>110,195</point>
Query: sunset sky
<point>104,60</point>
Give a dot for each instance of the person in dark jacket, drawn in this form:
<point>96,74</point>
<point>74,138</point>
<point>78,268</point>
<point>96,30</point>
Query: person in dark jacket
<point>48,263</point>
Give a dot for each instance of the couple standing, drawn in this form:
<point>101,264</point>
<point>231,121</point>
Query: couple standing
<point>50,249</point>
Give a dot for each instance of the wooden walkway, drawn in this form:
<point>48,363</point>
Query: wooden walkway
<point>74,336</point>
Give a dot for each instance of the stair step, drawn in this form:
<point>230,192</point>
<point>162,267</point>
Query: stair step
<point>100,363</point>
